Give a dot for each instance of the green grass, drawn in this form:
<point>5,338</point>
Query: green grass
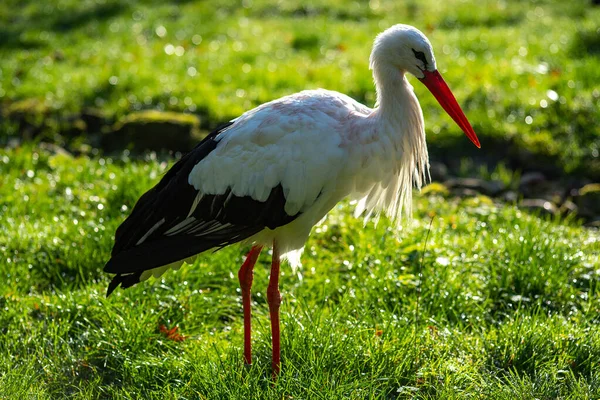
<point>508,302</point>
<point>526,72</point>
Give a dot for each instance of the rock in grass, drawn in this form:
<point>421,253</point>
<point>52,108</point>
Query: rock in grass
<point>510,196</point>
<point>154,130</point>
<point>55,150</point>
<point>489,188</point>
<point>31,115</point>
<point>438,171</point>
<point>568,207</point>
<point>588,200</point>
<point>96,120</point>
<point>539,205</point>
<point>530,183</point>
<point>593,224</point>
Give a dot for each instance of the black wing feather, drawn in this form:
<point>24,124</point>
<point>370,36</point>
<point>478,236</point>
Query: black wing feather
<point>217,221</point>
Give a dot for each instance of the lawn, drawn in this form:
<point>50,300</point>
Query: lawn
<point>473,298</point>
<point>507,303</point>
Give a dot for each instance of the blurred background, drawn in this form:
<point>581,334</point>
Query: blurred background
<point>101,76</point>
<point>84,74</point>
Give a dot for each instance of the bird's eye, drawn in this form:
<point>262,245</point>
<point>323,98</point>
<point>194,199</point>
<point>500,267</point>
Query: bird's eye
<point>420,56</point>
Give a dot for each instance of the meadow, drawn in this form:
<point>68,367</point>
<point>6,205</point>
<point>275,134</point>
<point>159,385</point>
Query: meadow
<point>473,298</point>
<point>507,302</point>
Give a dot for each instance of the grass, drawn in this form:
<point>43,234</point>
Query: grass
<point>508,302</point>
<point>526,72</point>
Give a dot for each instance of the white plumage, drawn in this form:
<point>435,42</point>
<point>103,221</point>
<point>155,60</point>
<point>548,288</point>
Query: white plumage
<point>321,146</point>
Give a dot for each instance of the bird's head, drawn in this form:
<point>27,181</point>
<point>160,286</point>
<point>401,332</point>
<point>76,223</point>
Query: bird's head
<point>403,48</point>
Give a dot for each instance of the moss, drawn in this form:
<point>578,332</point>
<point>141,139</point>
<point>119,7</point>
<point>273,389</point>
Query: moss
<point>435,188</point>
<point>154,116</point>
<point>592,188</point>
<point>154,130</point>
<point>25,107</point>
<point>478,201</point>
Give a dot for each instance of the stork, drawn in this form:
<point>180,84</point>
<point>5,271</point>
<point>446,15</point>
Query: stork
<point>267,177</point>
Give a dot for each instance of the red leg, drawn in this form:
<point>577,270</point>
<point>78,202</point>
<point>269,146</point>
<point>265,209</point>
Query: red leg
<point>274,300</point>
<point>245,275</point>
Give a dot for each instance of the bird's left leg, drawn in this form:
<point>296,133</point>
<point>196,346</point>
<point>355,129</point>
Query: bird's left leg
<point>274,300</point>
<point>245,275</point>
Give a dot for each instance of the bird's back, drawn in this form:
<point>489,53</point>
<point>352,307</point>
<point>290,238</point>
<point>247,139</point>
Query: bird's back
<point>295,141</point>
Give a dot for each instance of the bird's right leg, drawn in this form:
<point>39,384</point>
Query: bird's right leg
<point>274,300</point>
<point>245,275</point>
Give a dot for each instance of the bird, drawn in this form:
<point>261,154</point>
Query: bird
<point>267,177</point>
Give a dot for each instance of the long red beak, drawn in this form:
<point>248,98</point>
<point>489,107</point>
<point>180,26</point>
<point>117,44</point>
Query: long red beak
<point>440,90</point>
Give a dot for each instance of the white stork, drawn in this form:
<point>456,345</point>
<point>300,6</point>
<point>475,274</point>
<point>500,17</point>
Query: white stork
<point>267,177</point>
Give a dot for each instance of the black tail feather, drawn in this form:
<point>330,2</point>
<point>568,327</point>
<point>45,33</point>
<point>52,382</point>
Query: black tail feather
<point>125,281</point>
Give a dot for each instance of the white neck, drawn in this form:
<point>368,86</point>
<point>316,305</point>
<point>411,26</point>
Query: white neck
<point>395,153</point>
<point>395,97</point>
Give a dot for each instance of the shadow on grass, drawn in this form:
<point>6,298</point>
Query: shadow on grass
<point>17,33</point>
<point>73,19</point>
<point>20,33</point>
<point>14,39</point>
